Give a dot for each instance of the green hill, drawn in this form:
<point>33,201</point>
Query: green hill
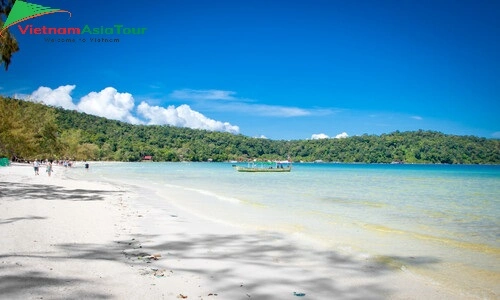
<point>31,130</point>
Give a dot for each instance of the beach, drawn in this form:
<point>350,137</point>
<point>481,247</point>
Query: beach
<point>63,238</point>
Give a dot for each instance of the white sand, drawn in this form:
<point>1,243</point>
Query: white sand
<point>67,239</point>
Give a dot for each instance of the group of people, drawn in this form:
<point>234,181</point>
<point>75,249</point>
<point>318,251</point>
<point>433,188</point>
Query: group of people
<point>49,165</point>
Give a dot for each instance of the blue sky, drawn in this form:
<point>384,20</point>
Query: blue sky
<point>275,69</point>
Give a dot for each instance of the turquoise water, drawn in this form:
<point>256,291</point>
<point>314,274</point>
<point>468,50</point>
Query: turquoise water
<point>444,214</point>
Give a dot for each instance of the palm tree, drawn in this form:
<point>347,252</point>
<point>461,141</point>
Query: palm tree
<point>8,43</point>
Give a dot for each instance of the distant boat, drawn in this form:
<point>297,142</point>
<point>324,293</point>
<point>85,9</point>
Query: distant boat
<point>269,167</point>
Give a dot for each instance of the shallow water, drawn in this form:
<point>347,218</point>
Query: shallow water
<point>438,220</point>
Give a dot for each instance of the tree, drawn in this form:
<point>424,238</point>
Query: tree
<point>31,130</point>
<point>13,137</point>
<point>27,129</point>
<point>8,43</point>
<point>87,152</point>
<point>70,140</point>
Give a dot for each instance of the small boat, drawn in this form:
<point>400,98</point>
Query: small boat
<point>269,167</point>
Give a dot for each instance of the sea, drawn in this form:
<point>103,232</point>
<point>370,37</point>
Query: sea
<point>440,221</point>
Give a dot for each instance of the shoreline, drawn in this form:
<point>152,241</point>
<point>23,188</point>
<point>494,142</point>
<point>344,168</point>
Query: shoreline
<point>113,240</point>
<point>293,162</point>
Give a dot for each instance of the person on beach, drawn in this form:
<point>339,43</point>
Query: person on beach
<point>36,166</point>
<point>49,168</point>
<point>86,166</point>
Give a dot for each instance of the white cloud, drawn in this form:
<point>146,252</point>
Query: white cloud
<point>278,111</point>
<point>234,104</point>
<point>109,103</point>
<point>182,116</point>
<point>496,134</point>
<point>342,135</point>
<point>189,94</point>
<point>262,109</point>
<point>417,118</point>
<point>319,136</point>
<point>60,97</point>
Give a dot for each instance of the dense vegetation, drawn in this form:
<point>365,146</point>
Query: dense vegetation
<point>31,130</point>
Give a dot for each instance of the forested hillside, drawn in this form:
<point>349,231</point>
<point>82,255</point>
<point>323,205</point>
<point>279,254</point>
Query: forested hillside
<point>30,130</point>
